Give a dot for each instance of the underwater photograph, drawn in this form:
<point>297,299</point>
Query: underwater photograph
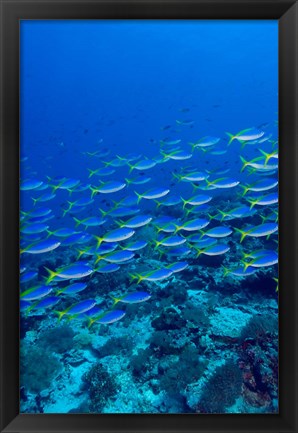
<point>149,216</point>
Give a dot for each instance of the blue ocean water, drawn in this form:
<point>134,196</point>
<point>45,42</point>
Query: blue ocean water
<point>149,207</point>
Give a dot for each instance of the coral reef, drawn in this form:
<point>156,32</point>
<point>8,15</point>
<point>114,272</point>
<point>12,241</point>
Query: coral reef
<point>100,387</point>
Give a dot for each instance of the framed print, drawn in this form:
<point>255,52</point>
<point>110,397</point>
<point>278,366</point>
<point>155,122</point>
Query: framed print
<point>148,224</point>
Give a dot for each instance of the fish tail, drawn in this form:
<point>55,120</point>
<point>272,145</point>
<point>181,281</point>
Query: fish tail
<point>49,233</point>
<point>193,146</point>
<point>128,181</point>
<point>199,252</point>
<point>184,202</point>
<point>252,203</point>
<point>90,322</point>
<point>187,211</point>
<point>35,200</point>
<point>211,216</point>
<point>78,222</point>
<point>139,197</point>
<point>65,211</point>
<point>245,189</point>
<point>94,191</point>
<point>60,314</point>
<point>243,233</point>
<point>91,172</point>
<point>176,176</point>
<point>267,156</point>
<point>245,265</point>
<point>243,143</point>
<point>52,275</point>
<point>223,214</point>
<point>244,162</point>
<point>99,258</point>
<point>226,271</point>
<point>231,137</point>
<point>99,241</point>
<point>81,252</point>
<point>131,167</point>
<point>103,212</point>
<point>116,300</point>
<point>134,276</point>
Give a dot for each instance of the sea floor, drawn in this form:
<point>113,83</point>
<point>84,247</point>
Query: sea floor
<point>195,347</point>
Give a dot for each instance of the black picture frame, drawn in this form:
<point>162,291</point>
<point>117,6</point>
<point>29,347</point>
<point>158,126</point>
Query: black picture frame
<point>287,13</point>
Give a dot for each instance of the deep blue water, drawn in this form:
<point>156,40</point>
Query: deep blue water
<point>121,88</point>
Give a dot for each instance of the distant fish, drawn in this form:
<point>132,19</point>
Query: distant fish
<point>29,184</point>
<point>197,200</point>
<point>170,241</point>
<point>145,164</point>
<point>193,225</point>
<point>260,185</point>
<point>258,231</point>
<point>213,250</point>
<point>43,198</point>
<point>137,221</point>
<point>140,180</point>
<point>107,317</point>
<point>133,298</point>
<point>205,142</point>
<point>108,188</point>
<point>185,122</point>
<point>35,293</point>
<point>102,171</point>
<point>196,176</point>
<point>44,303</point>
<point>223,182</point>
<point>135,246</point>
<point>43,246</point>
<point>152,194</point>
<point>107,268</point>
<point>157,275</point>
<point>78,308</point>
<point>264,200</point>
<point>239,272</point>
<point>116,257</point>
<point>27,276</point>
<point>177,266</point>
<point>72,289</point>
<point>245,135</point>
<point>73,271</point>
<point>218,232</point>
<point>90,221</point>
<point>33,228</point>
<point>179,155</point>
<point>117,235</point>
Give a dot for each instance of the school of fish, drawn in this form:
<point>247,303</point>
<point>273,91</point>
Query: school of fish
<point>150,231</point>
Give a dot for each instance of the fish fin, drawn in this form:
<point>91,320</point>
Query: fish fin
<point>91,172</point>
<point>60,314</point>
<point>244,162</point>
<point>243,233</point>
<point>252,203</point>
<point>226,271</point>
<point>231,137</point>
<point>116,300</point>
<point>78,222</point>
<point>94,191</point>
<point>139,197</point>
<point>52,275</point>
